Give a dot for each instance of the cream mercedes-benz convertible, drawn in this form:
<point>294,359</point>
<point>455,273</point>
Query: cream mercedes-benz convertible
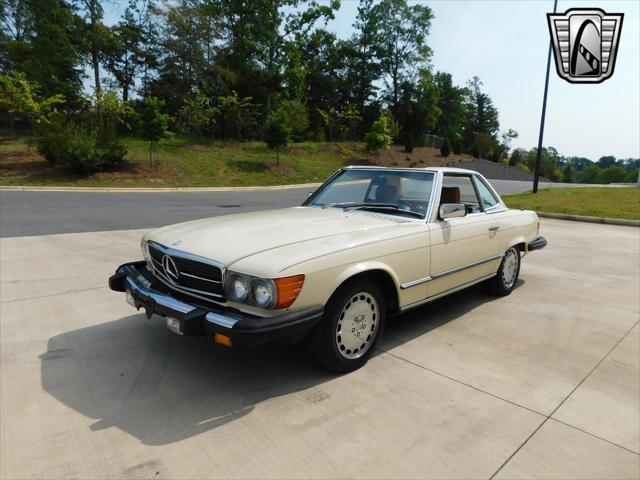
<point>366,245</point>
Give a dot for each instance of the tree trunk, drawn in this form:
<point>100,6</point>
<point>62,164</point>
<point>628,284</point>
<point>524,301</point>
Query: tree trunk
<point>151,154</point>
<point>96,70</point>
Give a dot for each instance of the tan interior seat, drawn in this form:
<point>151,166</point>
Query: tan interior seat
<point>450,195</point>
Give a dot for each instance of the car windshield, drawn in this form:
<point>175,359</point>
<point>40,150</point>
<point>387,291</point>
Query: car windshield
<point>396,192</point>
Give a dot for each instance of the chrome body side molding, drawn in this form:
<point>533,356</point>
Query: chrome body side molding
<point>445,293</point>
<point>429,278</point>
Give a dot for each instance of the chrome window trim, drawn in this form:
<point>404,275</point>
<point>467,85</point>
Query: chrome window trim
<point>429,278</point>
<point>428,215</point>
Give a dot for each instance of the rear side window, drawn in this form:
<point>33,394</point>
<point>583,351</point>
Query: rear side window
<point>488,199</point>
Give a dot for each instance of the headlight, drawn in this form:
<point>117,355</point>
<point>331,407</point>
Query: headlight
<point>264,293</point>
<point>238,287</point>
<point>273,293</point>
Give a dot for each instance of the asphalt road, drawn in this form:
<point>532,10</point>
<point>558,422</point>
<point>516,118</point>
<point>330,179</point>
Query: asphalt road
<point>24,213</point>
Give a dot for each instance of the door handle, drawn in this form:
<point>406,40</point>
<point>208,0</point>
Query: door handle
<point>494,229</point>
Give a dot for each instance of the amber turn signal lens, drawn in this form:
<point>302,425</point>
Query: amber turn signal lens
<point>222,339</point>
<point>288,289</point>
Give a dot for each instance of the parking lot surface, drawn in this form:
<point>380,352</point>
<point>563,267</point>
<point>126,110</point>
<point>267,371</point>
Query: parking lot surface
<point>542,383</point>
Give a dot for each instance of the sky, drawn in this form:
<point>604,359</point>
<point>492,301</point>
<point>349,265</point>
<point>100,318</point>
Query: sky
<point>505,43</point>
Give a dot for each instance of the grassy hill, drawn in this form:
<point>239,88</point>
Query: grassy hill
<point>182,163</point>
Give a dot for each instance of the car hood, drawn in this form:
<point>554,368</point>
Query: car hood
<point>230,238</point>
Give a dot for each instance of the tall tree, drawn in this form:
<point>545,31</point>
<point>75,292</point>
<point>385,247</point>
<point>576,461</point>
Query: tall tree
<point>126,54</point>
<point>418,109</point>
<point>404,50</point>
<point>40,40</point>
<point>482,116</point>
<point>96,36</point>
<point>280,20</point>
<point>367,43</point>
<point>451,104</point>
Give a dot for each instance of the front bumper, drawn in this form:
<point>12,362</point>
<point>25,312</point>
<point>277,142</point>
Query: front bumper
<point>538,244</point>
<point>192,319</point>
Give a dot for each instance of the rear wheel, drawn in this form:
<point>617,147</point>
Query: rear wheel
<point>505,280</point>
<point>353,320</point>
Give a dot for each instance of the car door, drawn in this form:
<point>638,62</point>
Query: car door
<point>463,249</point>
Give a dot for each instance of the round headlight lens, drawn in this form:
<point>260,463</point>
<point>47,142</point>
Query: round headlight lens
<point>238,288</point>
<point>264,293</point>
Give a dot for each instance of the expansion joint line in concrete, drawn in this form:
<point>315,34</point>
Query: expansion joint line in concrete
<point>547,417</point>
<point>78,290</point>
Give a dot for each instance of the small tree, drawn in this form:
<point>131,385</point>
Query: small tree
<point>379,137</point>
<point>445,149</point>
<point>197,115</point>
<point>154,123</point>
<point>277,132</point>
<point>297,116</point>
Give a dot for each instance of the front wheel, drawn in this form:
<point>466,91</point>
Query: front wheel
<point>353,320</point>
<point>505,280</point>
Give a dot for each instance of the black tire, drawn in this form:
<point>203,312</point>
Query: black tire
<point>323,340</point>
<point>505,280</point>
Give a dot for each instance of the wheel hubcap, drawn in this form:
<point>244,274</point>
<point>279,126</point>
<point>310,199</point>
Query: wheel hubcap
<point>357,325</point>
<point>510,268</point>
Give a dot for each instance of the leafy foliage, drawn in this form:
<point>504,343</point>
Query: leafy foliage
<point>278,131</point>
<point>154,123</point>
<point>379,137</point>
<point>197,115</point>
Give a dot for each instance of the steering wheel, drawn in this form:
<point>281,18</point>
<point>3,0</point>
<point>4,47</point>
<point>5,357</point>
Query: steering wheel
<point>411,206</point>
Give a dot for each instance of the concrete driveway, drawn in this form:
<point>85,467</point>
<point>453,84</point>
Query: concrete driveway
<point>543,383</point>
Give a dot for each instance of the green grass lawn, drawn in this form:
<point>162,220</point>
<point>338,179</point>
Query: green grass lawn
<point>180,163</point>
<point>595,202</point>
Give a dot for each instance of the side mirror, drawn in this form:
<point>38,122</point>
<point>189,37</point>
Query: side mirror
<point>309,194</point>
<point>452,210</point>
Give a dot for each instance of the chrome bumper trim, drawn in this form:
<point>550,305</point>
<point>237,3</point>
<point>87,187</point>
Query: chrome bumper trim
<point>138,283</point>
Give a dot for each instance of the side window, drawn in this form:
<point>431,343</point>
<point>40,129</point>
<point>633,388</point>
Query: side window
<point>459,189</point>
<point>488,199</point>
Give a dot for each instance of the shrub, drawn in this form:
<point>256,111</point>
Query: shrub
<point>445,149</point>
<point>78,148</point>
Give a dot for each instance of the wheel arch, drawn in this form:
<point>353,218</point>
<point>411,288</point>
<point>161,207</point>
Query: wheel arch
<point>382,275</point>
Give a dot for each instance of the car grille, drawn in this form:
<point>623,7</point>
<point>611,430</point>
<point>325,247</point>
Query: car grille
<point>194,276</point>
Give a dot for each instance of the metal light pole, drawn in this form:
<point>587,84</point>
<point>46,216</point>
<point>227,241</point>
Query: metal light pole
<point>536,175</point>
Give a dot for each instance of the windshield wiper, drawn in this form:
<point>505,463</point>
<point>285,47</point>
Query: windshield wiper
<point>346,206</point>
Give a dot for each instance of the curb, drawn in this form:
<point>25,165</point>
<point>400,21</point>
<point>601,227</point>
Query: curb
<point>583,218</point>
<point>160,189</point>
